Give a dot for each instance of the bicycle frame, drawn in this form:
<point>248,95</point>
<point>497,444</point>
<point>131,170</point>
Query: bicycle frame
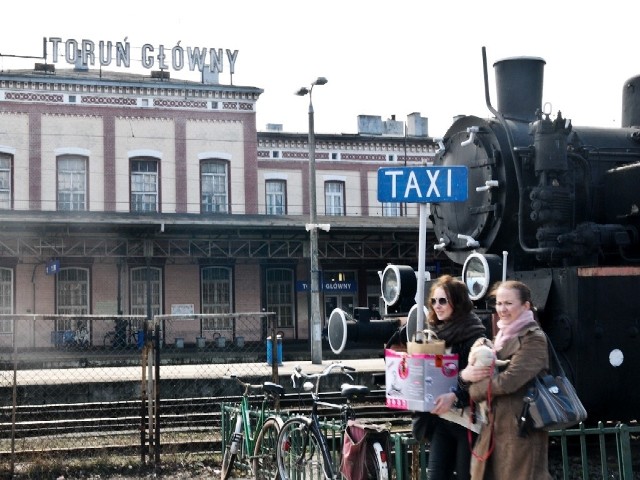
<point>241,440</point>
<point>312,421</point>
<point>248,430</point>
<point>314,425</point>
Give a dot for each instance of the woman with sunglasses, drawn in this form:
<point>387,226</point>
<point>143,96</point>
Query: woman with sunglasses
<point>452,318</point>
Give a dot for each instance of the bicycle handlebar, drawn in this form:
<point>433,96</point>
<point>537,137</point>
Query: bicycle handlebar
<point>315,377</point>
<point>247,386</point>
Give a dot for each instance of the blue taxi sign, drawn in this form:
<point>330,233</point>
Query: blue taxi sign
<point>422,184</point>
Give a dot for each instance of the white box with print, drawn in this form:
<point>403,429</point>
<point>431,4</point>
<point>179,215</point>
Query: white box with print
<point>414,380</point>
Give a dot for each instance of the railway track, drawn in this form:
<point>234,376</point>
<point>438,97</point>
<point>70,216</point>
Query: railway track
<point>188,414</point>
<point>186,425</point>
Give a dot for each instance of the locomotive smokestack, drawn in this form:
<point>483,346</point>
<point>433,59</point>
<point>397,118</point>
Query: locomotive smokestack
<point>631,103</point>
<point>519,83</point>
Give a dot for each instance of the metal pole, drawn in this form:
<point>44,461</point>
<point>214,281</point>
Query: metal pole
<point>156,388</point>
<point>316,323</point>
<point>312,227</point>
<point>422,259</point>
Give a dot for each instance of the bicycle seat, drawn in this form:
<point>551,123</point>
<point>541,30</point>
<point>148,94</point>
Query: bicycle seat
<point>273,388</point>
<point>353,391</point>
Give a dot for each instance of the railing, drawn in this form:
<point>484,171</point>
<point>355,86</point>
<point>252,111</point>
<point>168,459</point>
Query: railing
<point>601,452</point>
<point>604,452</point>
<point>39,368</point>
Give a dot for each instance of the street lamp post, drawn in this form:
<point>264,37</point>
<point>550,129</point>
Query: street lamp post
<point>312,227</point>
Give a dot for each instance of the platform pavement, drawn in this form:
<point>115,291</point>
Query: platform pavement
<point>185,372</point>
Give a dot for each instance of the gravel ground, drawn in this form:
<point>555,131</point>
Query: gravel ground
<point>193,472</point>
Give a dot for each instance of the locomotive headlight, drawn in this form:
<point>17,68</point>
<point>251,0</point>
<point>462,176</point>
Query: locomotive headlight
<point>398,285</point>
<point>479,272</point>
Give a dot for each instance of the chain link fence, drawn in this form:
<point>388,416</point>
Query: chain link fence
<point>71,384</point>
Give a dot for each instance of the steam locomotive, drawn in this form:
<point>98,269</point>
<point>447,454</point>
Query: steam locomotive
<point>558,207</point>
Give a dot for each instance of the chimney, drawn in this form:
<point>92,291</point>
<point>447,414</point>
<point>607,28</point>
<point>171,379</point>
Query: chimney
<point>519,83</point>
<point>417,126</point>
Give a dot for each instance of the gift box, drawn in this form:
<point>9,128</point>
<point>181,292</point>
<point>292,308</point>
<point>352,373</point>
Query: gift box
<point>414,380</point>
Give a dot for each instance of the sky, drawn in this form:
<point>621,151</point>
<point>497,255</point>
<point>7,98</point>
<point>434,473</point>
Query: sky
<point>383,58</point>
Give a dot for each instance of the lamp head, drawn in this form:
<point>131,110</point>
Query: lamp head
<point>320,81</point>
<point>303,91</point>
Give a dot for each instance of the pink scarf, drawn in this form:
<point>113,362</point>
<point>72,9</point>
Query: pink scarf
<point>510,330</point>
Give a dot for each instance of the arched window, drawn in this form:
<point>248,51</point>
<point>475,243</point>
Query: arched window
<point>139,292</point>
<point>6,299</point>
<point>334,198</point>
<point>276,197</point>
<point>72,183</point>
<point>214,186</point>
<point>391,209</point>
<point>72,294</point>
<point>216,297</point>
<point>145,185</point>
<point>280,290</point>
<point>6,181</point>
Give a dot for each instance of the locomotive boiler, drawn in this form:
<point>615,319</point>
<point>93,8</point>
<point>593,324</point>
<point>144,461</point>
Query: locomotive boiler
<point>558,207</point>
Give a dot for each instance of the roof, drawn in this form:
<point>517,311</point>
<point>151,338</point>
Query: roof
<point>94,76</point>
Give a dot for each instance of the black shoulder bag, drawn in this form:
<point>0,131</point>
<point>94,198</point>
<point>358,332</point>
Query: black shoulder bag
<point>551,402</point>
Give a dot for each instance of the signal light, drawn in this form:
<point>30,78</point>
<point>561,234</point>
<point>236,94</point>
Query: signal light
<point>479,272</point>
<point>398,284</point>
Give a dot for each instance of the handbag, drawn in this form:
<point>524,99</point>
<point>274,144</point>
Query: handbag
<point>430,344</point>
<point>551,402</point>
<point>358,440</point>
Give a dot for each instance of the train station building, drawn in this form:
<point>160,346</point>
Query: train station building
<point>115,184</point>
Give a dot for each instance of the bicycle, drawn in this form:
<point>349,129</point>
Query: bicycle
<point>303,452</point>
<point>253,441</point>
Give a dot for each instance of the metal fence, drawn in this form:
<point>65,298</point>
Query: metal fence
<point>72,384</point>
<point>76,385</point>
<point>602,452</point>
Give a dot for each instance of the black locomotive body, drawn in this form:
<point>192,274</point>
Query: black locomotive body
<point>559,206</point>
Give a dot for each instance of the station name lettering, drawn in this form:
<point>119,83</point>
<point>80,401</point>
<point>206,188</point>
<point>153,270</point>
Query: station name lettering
<point>105,53</point>
<point>338,286</point>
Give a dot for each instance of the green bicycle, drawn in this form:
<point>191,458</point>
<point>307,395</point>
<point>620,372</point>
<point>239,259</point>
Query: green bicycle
<point>251,442</point>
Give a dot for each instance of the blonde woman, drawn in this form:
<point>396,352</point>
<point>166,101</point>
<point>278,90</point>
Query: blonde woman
<point>502,452</point>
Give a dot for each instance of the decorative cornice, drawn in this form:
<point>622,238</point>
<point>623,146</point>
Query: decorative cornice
<point>34,97</point>
<point>120,101</point>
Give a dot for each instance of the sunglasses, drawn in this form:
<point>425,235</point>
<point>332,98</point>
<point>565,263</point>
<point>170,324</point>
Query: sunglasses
<point>441,301</point>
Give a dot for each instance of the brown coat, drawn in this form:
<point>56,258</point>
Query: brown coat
<point>513,456</point>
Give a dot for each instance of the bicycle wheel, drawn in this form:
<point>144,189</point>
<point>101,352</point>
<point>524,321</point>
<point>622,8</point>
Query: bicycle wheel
<point>298,452</point>
<point>376,463</point>
<point>265,466</point>
<point>233,447</point>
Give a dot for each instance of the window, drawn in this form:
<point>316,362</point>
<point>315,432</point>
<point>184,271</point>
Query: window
<point>72,292</point>
<point>72,183</point>
<point>6,299</point>
<point>139,292</point>
<point>280,295</point>
<point>334,198</point>
<point>390,209</point>
<point>344,295</point>
<point>214,186</point>
<point>216,297</point>
<point>144,185</point>
<point>5,181</point>
<point>276,192</point>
